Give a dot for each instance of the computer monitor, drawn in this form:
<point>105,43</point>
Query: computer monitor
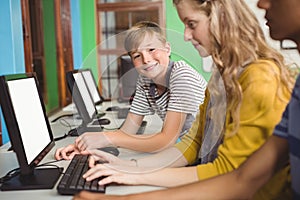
<point>92,86</point>
<point>29,131</point>
<point>128,77</point>
<point>83,101</point>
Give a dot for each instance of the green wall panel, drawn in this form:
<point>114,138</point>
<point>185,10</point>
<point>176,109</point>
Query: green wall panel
<point>50,55</point>
<point>88,33</point>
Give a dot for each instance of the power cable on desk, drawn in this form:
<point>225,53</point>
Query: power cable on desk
<point>65,123</point>
<point>61,137</point>
<point>49,164</point>
<point>9,175</point>
<point>65,115</point>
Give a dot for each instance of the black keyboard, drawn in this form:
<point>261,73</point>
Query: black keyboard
<point>72,181</point>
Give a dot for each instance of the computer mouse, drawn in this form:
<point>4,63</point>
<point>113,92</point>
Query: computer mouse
<point>112,150</point>
<point>73,132</point>
<point>101,121</point>
<point>113,108</point>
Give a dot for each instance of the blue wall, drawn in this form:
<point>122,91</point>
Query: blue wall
<point>76,33</point>
<point>11,39</point>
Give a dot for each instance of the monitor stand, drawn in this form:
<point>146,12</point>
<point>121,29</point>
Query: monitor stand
<point>84,128</point>
<point>42,178</point>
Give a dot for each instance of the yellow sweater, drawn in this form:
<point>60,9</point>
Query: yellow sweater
<point>261,109</point>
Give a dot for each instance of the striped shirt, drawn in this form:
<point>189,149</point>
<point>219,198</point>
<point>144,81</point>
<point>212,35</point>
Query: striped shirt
<point>289,128</point>
<point>184,93</point>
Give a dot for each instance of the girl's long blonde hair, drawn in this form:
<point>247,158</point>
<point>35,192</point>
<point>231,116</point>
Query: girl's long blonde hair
<point>236,39</point>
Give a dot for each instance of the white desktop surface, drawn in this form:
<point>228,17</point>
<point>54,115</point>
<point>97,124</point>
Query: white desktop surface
<point>8,160</point>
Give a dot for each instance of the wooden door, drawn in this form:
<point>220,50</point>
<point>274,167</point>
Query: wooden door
<point>32,13</point>
<point>64,47</point>
<point>32,16</point>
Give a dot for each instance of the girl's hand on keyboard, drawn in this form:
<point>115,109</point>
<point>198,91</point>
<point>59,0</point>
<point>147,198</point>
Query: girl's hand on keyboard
<point>114,174</point>
<point>98,156</point>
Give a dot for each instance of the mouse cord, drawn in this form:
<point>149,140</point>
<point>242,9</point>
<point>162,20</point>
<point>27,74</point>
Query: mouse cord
<point>111,129</point>
<point>61,137</point>
<point>12,173</point>
<point>50,164</point>
<point>64,123</point>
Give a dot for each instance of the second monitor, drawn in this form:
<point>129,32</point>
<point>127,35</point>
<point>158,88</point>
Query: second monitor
<point>92,86</point>
<point>84,104</point>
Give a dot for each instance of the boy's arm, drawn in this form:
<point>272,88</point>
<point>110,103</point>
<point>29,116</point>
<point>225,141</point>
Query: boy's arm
<point>172,126</point>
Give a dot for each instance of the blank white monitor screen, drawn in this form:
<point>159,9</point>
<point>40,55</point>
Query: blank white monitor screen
<point>89,79</point>
<point>89,104</point>
<point>30,116</point>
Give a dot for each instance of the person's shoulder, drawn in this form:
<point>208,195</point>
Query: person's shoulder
<point>184,67</point>
<point>261,69</point>
<point>263,66</point>
<point>181,63</point>
<point>183,72</point>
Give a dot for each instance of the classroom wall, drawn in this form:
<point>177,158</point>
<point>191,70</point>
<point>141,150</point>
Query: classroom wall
<point>84,41</point>
<point>11,48</point>
<point>88,34</point>
<point>76,33</point>
<point>50,55</point>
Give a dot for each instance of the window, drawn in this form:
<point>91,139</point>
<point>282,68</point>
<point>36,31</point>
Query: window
<point>113,18</point>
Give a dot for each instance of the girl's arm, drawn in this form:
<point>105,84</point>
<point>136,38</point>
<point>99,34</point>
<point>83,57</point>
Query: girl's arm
<point>239,184</point>
<point>168,177</point>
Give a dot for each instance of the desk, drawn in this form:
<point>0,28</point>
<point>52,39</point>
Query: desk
<point>8,161</point>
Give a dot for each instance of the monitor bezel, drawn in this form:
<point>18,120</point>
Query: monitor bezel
<point>13,127</point>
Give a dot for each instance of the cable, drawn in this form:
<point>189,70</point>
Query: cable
<point>111,129</point>
<point>12,173</point>
<point>67,124</point>
<point>64,123</point>
<point>49,164</point>
<point>65,115</point>
<point>61,137</point>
